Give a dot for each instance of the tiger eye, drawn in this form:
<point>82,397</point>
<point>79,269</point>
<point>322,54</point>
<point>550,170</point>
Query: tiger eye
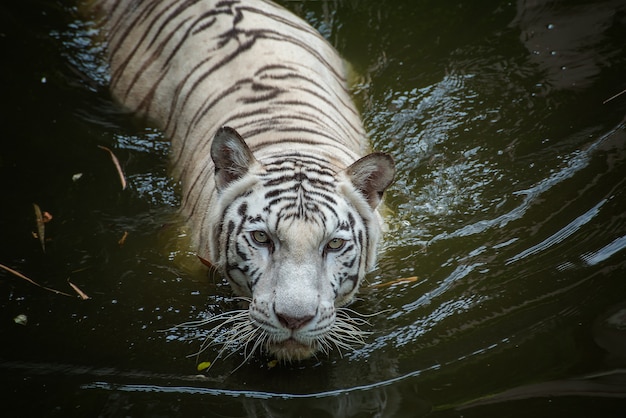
<point>260,237</point>
<point>335,243</point>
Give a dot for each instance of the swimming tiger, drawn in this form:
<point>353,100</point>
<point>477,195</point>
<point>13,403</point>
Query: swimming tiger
<point>268,147</point>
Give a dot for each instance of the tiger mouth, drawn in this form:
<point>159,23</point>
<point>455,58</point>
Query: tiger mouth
<point>291,349</point>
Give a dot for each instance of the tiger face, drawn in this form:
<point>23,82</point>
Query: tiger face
<point>296,238</point>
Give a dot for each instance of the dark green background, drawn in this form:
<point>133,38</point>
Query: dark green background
<point>509,208</point>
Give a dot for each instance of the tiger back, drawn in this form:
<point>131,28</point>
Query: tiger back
<point>267,145</point>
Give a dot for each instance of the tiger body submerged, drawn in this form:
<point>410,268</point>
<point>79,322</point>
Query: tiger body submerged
<point>267,145</point>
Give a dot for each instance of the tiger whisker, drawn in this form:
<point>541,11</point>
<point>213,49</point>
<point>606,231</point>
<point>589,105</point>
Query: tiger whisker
<point>247,355</point>
<point>210,340</point>
<point>233,337</point>
<point>238,337</point>
<point>352,314</point>
<point>219,355</point>
<point>236,333</point>
<point>345,333</point>
<point>203,322</point>
<point>325,345</point>
<point>241,338</point>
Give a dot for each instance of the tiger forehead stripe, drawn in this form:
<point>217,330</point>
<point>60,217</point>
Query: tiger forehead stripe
<point>295,178</point>
<point>305,158</point>
<point>301,158</point>
<point>298,164</point>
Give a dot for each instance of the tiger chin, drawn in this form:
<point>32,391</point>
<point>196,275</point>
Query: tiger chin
<point>268,148</point>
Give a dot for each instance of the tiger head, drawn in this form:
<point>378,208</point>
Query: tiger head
<point>295,238</point>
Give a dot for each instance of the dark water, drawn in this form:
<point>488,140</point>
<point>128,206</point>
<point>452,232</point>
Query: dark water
<point>509,210</point>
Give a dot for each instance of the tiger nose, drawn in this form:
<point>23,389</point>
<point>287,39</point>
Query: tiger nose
<point>293,323</point>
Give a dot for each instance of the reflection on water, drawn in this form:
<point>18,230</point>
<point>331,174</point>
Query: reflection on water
<point>570,45</point>
<point>509,209</point>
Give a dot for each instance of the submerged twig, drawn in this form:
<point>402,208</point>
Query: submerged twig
<point>82,294</point>
<point>614,96</point>
<point>395,282</point>
<point>20,275</point>
<point>116,163</point>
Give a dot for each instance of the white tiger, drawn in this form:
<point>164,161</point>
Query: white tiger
<point>266,142</point>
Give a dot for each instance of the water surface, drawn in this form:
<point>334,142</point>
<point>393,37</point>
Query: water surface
<point>509,212</point>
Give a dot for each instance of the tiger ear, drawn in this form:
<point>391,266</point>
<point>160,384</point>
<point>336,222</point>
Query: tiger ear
<point>371,175</point>
<point>231,157</point>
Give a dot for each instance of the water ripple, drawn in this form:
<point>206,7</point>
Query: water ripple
<point>561,235</point>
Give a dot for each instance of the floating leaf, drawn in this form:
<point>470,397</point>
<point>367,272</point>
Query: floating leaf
<point>206,262</point>
<point>122,240</point>
<point>116,163</point>
<point>203,366</point>
<point>271,364</point>
<point>41,229</point>
<point>395,282</point>
<point>21,276</point>
<point>76,177</point>
<point>21,319</point>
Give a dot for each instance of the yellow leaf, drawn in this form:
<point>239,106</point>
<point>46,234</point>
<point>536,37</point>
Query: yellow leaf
<point>204,365</point>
